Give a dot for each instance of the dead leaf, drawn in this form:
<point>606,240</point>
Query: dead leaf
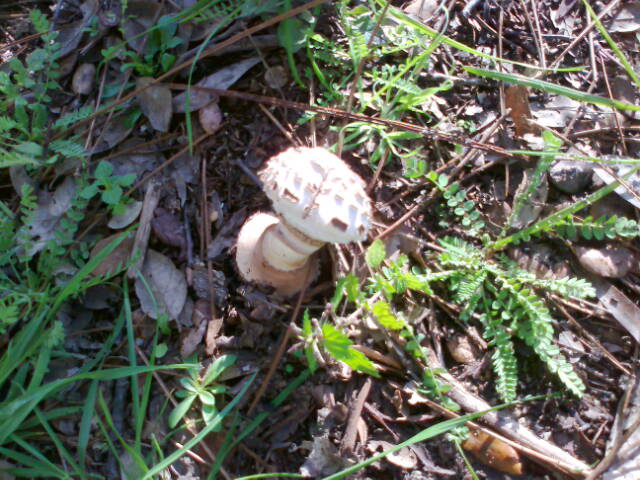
<point>115,132</point>
<point>200,320</point>
<point>611,261</point>
<point>626,465</point>
<point>168,228</point>
<point>529,209</point>
<point>627,19</point>
<point>404,458</point>
<point>516,97</point>
<point>70,36</point>
<point>323,459</point>
<point>131,212</point>
<point>116,259</point>
<point>222,79</point>
<point>167,285</point>
<point>155,103</point>
<point>139,18</point>
<point>633,181</point>
<point>422,9</point>
<point>51,208</point>
<point>226,237</point>
<point>619,306</point>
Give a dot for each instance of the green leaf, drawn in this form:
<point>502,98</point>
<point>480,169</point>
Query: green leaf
<point>103,170</point>
<point>384,315</point>
<point>112,194</point>
<point>340,348</point>
<point>217,367</point>
<point>376,253</point>
<point>181,410</point>
<point>89,191</point>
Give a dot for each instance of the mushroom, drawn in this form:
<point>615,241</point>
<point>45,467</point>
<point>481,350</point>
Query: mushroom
<point>318,199</point>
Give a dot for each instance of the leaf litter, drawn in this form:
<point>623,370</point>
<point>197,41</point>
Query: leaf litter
<point>188,277</point>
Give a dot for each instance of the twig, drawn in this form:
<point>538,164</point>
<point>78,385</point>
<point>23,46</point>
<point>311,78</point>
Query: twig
<point>349,438</point>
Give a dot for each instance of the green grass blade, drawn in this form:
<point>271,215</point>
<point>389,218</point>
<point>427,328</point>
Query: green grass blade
<point>614,46</point>
<point>552,88</point>
<point>402,17</point>
<point>226,448</point>
<point>84,431</point>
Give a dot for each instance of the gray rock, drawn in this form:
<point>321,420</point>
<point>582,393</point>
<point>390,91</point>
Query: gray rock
<point>609,261</point>
<point>570,176</point>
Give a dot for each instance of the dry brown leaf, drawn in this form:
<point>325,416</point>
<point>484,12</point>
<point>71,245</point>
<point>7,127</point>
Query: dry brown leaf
<point>516,97</point>
<point>155,103</point>
<point>167,284</point>
<point>116,259</point>
<point>222,79</point>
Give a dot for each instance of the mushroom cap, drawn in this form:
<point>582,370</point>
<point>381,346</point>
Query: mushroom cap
<point>253,267</point>
<point>317,193</point>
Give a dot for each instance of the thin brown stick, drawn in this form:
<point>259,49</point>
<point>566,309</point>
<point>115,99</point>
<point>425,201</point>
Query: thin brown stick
<point>335,112</point>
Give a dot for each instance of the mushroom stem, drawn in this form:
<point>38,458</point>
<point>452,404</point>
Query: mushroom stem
<point>286,248</point>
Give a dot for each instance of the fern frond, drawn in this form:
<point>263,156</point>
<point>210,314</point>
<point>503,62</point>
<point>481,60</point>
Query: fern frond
<point>468,285</point>
<point>535,327</point>
<point>459,253</point>
<point>567,287</point>
<point>503,358</point>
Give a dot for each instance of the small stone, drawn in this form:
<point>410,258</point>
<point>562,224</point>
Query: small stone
<point>610,261</point>
<point>83,79</point>
<point>210,117</point>
<point>276,77</point>
<point>570,176</point>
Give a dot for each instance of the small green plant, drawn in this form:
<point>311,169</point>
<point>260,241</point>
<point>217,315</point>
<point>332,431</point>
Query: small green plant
<point>195,387</point>
<point>157,57</point>
<point>109,186</point>
<point>496,293</point>
<point>464,210</point>
<point>336,343</point>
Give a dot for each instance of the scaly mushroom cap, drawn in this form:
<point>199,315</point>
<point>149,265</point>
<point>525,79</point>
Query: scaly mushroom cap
<point>317,193</point>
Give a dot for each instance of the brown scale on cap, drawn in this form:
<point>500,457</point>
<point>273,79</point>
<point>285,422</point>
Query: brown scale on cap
<point>318,199</point>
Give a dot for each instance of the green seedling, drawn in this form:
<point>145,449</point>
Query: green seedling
<point>109,186</point>
<point>203,389</point>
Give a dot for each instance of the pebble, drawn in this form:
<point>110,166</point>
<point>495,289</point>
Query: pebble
<point>609,261</point>
<point>570,176</point>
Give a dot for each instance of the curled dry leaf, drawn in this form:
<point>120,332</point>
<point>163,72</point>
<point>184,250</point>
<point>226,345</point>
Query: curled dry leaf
<point>627,19</point>
<point>200,319</point>
<point>167,285</point>
<point>493,452</point>
<point>403,458</point>
<point>83,79</point>
<point>168,228</point>
<point>155,103</point>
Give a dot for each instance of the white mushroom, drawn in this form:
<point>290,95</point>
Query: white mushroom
<point>318,199</point>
